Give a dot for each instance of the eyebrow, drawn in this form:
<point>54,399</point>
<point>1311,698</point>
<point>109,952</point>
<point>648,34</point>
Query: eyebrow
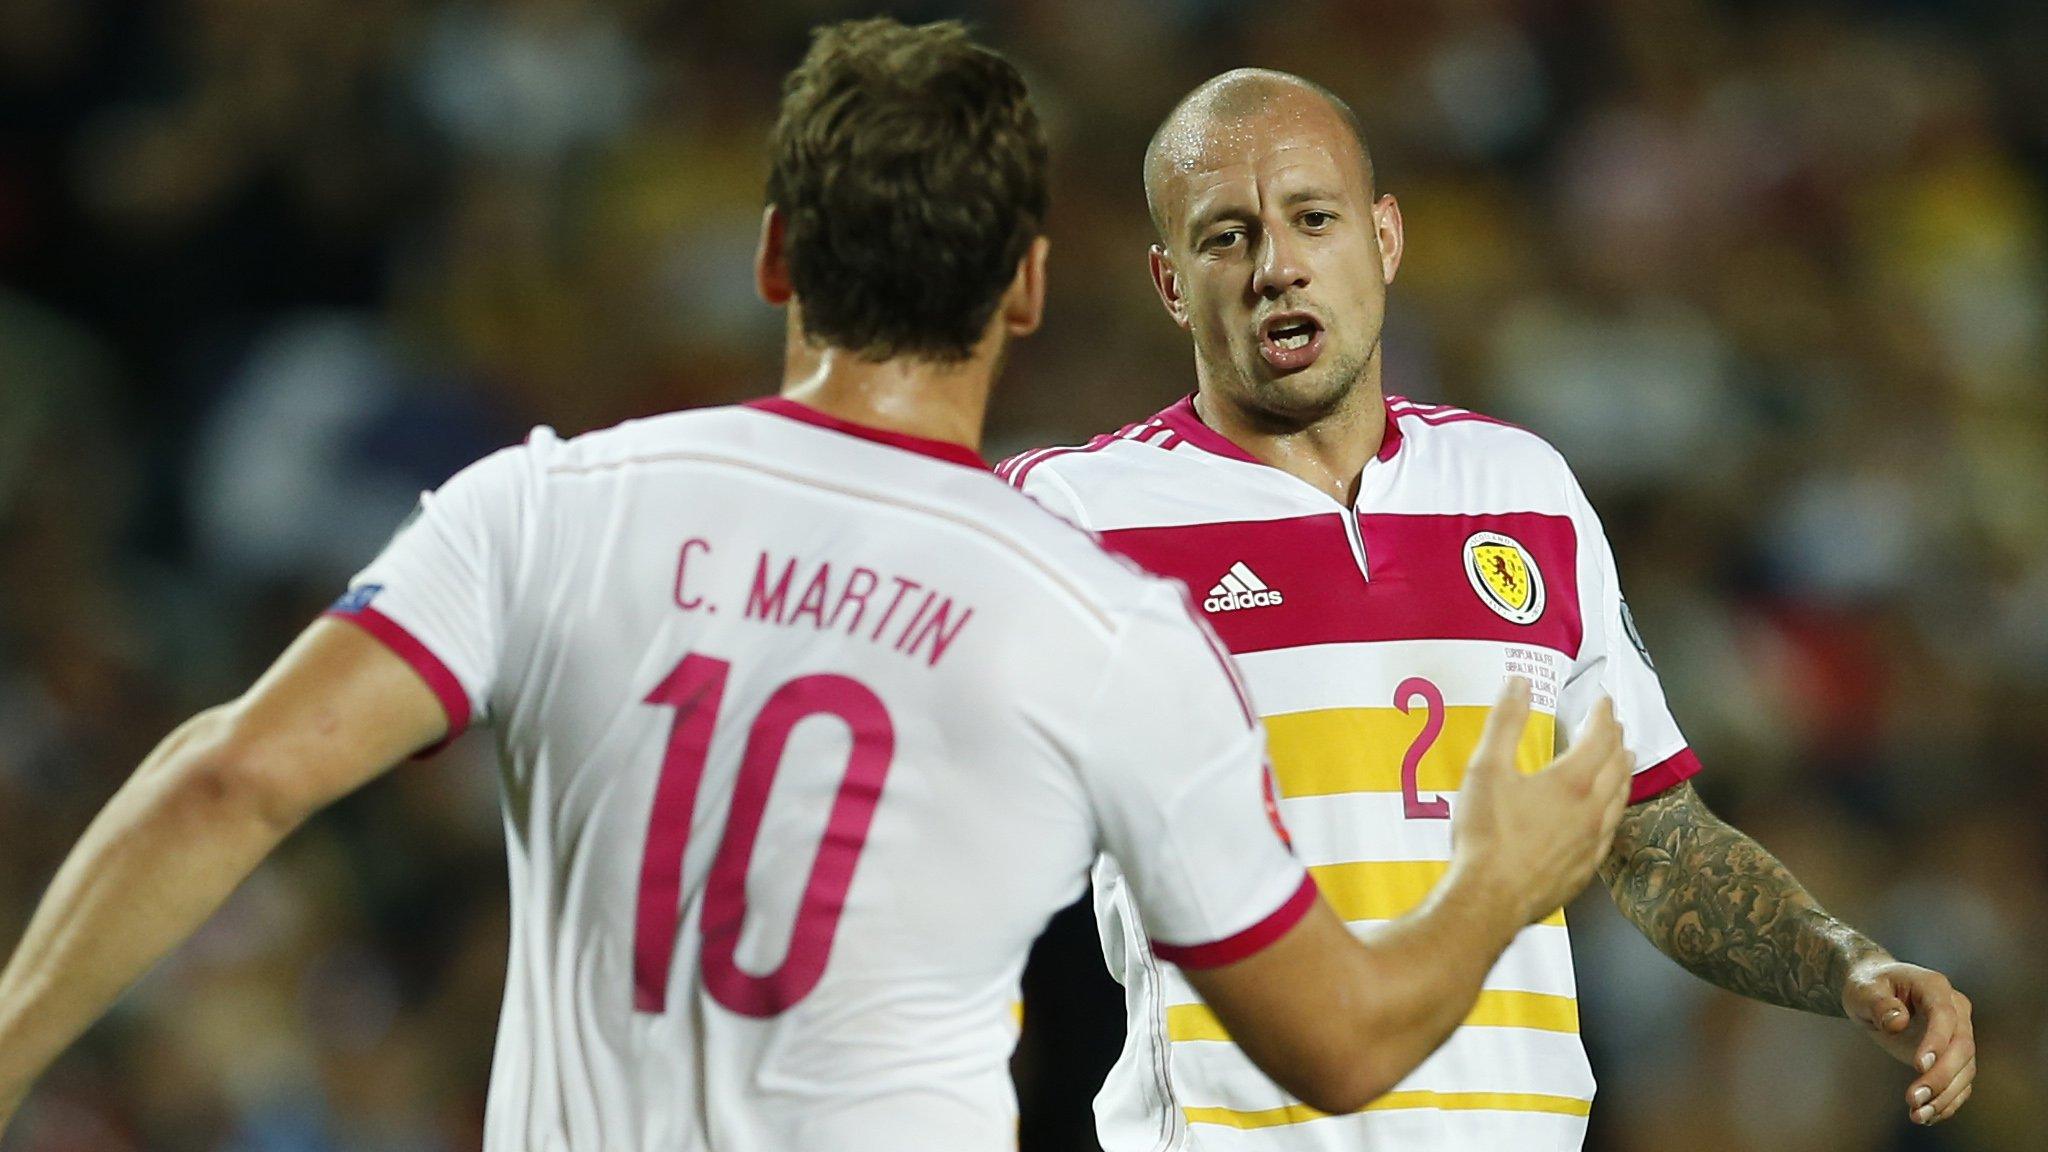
<point>1201,222</point>
<point>1312,192</point>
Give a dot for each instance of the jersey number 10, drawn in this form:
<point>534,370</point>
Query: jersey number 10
<point>695,689</point>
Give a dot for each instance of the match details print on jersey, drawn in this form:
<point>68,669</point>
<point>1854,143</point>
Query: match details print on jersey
<point>1373,639</point>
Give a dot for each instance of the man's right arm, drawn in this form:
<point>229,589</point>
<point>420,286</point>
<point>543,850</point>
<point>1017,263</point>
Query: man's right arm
<point>215,798</point>
<point>1338,1021</point>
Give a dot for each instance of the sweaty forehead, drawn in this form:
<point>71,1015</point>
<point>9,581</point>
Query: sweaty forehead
<point>1201,151</point>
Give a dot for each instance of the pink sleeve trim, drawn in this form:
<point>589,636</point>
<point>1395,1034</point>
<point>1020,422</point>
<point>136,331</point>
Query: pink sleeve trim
<point>1664,776</point>
<point>1249,942</point>
<point>446,688</point>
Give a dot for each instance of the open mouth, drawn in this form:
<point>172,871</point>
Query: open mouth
<point>1290,341</point>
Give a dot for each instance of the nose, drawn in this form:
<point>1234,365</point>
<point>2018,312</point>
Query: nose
<point>1280,266</point>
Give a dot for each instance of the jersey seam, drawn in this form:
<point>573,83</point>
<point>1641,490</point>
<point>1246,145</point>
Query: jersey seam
<point>524,572</point>
<point>1162,1059</point>
<point>1081,519</point>
<point>1162,1045</point>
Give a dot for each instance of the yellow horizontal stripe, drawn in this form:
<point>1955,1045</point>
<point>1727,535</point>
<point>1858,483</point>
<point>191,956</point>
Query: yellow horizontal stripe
<point>1539,1010</point>
<point>1393,1101</point>
<point>1337,750</point>
<point>1384,889</point>
<point>1495,1009</point>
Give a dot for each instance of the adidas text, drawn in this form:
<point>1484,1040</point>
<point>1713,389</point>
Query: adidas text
<point>1232,601</point>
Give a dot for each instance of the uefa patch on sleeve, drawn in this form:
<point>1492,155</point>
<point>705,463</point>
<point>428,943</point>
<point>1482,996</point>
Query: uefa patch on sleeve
<point>356,599</point>
<point>1628,625</point>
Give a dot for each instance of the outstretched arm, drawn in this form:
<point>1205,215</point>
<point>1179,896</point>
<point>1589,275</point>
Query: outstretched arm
<point>1714,900</point>
<point>206,807</point>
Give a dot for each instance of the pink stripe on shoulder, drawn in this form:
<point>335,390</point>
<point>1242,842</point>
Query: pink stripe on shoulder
<point>1023,471</point>
<point>1416,407</point>
<point>1437,418</point>
<point>403,644</point>
<point>1466,418</point>
<point>1247,943</point>
<point>1663,776</point>
<point>1437,415</point>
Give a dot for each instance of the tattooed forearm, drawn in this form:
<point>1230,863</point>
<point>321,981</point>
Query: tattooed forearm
<point>1712,899</point>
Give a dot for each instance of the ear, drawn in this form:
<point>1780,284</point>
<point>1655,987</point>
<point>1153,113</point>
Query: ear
<point>1166,280</point>
<point>1024,303</point>
<point>1386,221</point>
<point>771,260</point>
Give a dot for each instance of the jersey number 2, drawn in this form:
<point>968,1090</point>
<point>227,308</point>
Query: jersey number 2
<point>1412,804</point>
<point>695,689</point>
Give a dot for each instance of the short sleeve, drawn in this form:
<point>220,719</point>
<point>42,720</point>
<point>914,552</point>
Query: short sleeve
<point>1613,661</point>
<point>1177,774</point>
<point>438,594</point>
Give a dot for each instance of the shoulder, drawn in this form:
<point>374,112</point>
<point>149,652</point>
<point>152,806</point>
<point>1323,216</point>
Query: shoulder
<point>1128,446</point>
<point>1460,444</point>
<point>1491,463</point>
<point>1045,536</point>
<point>529,482</point>
<point>1450,431</point>
<point>1090,483</point>
<point>509,472</point>
<point>638,439</point>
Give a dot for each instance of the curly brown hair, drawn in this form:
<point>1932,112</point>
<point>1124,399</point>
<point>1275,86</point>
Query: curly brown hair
<point>910,169</point>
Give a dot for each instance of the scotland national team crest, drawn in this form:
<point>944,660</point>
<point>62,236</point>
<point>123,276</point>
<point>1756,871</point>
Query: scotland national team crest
<point>1505,576</point>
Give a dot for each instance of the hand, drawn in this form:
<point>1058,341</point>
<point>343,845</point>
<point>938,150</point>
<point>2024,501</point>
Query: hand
<point>1916,1015</point>
<point>1538,838</point>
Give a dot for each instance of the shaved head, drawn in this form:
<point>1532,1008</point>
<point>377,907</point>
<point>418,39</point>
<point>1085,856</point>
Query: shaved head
<point>1274,251</point>
<point>1191,132</point>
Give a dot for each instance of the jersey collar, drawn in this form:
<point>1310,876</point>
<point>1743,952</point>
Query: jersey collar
<point>1182,418</point>
<point>945,450</point>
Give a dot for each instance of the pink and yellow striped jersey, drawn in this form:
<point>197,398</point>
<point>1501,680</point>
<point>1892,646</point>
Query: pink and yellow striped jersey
<point>1372,639</point>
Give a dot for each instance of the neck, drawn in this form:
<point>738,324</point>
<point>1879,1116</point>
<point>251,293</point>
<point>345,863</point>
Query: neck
<point>944,402</point>
<point>1328,451</point>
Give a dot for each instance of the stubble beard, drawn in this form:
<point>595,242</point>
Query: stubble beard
<point>1301,400</point>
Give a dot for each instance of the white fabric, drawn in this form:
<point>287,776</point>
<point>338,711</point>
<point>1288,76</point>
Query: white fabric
<point>1043,702</point>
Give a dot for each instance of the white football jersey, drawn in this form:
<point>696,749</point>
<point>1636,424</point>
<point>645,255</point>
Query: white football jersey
<point>806,729</point>
<point>1373,639</point>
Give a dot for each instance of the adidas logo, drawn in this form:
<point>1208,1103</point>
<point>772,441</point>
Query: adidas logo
<point>1240,589</point>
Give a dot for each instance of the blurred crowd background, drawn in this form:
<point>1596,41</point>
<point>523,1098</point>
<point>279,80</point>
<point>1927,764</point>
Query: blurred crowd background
<point>1773,275</point>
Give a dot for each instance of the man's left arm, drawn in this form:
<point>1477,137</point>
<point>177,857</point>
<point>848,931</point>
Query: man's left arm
<point>1713,899</point>
<point>1727,911</point>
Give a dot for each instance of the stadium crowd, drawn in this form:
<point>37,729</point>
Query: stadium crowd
<point>1774,276</point>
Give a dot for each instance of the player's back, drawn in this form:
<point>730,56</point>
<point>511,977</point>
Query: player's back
<point>792,717</point>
